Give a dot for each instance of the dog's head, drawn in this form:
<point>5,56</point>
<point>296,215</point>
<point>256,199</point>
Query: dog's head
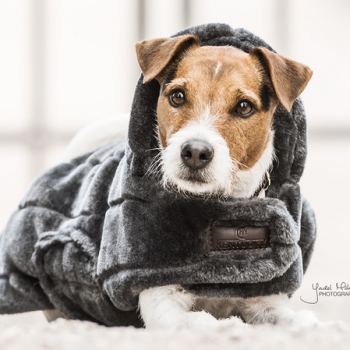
<point>215,111</point>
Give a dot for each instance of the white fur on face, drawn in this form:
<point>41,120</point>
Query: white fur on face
<point>217,68</point>
<point>222,175</point>
<point>216,177</point>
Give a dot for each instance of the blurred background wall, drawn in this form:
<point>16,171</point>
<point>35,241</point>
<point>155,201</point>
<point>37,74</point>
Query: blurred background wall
<point>66,63</point>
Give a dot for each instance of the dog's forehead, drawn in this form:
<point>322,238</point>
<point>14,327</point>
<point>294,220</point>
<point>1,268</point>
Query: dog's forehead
<point>224,64</point>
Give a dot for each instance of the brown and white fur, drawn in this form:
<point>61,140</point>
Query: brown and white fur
<point>213,81</point>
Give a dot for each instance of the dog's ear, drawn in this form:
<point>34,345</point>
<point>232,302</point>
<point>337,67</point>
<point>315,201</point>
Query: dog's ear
<point>289,78</point>
<point>155,55</point>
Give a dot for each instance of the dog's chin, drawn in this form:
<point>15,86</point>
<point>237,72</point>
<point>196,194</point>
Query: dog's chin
<point>194,178</point>
<point>194,183</point>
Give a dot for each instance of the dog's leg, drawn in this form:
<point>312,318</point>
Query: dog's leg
<point>274,309</point>
<point>170,307</point>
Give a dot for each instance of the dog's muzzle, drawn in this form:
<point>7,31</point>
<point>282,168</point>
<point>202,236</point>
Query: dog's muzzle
<point>196,154</point>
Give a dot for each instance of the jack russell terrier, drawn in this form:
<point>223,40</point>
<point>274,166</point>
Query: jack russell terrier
<point>215,115</point>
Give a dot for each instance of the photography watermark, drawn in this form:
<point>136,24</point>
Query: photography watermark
<point>339,290</point>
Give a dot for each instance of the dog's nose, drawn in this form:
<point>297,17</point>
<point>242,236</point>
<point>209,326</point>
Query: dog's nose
<point>197,154</point>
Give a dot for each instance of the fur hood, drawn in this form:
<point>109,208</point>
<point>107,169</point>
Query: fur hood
<point>91,234</point>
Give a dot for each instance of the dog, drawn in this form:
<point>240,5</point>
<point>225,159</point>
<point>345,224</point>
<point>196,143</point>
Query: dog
<point>215,116</point>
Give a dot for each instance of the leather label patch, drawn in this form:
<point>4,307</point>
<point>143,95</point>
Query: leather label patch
<point>226,239</point>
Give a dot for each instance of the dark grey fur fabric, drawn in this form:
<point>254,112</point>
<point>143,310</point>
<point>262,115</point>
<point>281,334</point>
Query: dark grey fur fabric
<point>90,235</point>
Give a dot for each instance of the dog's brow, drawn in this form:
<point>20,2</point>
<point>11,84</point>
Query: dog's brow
<point>179,83</point>
<point>243,93</point>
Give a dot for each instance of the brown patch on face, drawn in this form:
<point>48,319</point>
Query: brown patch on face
<point>219,78</point>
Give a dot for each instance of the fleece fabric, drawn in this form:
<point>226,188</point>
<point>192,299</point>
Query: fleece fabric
<point>91,234</point>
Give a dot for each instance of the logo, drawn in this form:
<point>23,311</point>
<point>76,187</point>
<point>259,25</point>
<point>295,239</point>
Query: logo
<point>226,244</point>
<point>242,232</point>
<point>228,238</point>
<point>339,290</point>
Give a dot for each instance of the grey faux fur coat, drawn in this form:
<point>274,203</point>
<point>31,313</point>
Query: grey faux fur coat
<point>91,234</point>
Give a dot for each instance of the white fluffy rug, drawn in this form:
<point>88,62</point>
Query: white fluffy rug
<point>33,333</point>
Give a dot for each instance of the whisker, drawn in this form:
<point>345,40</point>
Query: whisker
<point>236,161</point>
<point>155,164</point>
<point>154,149</point>
<point>256,161</point>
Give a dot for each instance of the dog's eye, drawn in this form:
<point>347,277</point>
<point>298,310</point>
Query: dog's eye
<point>244,108</point>
<point>177,98</point>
